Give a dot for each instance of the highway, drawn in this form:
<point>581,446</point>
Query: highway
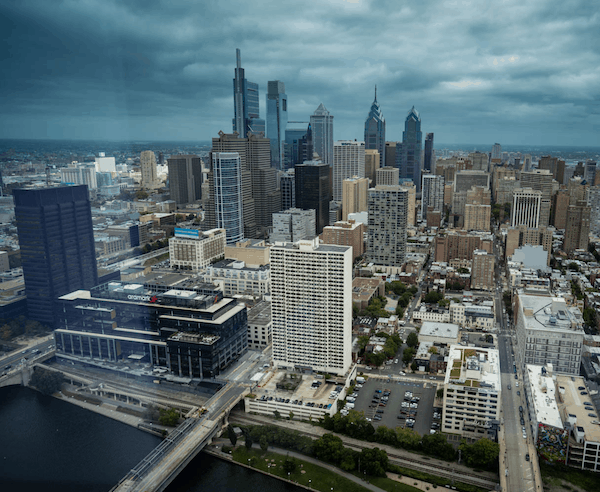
<point>14,360</point>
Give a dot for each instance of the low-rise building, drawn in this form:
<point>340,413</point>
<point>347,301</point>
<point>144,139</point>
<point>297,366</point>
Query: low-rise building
<point>472,316</point>
<point>250,251</point>
<point>235,277</point>
<point>259,326</point>
<point>427,313</point>
<point>365,289</point>
<point>439,333</point>
<point>192,249</point>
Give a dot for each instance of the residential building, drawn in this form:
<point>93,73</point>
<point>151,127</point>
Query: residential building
<point>312,328</point>
<point>346,233</point>
<point>465,180</point>
<point>366,289</point>
<point>148,168</point>
<point>387,235</point>
<point>375,130</point>
<point>260,326</point>
<point>460,245</point>
<point>372,164</point>
<point>472,316</point>
<point>227,193</point>
<point>548,332</point>
<point>185,178</point>
<point>429,155</point>
<point>79,174</point>
<point>194,250</point>
<point>526,208</point>
<point>277,116</point>
<point>408,153</point>
<point>193,332</point>
<point>348,161</point>
<point>354,196</point>
<point>389,176</point>
<point>593,200</point>
<point>293,224</point>
<point>516,237</point>
<point>56,240</point>
<point>560,208</point>
<point>541,180</point>
<point>236,278</point>
<point>578,231</point>
<point>496,151</point>
<point>432,194</point>
<point>482,272</point>
<point>479,161</point>
<point>477,217</point>
<point>472,391</point>
<point>105,164</point>
<point>313,190</point>
<point>246,117</point>
<point>321,122</point>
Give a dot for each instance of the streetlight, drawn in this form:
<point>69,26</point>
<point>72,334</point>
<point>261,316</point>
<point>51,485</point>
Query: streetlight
<point>309,482</point>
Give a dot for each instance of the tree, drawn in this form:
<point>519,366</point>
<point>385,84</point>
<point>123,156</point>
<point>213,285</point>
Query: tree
<point>408,355</point>
<point>413,366</point>
<point>289,465</point>
<point>375,359</point>
<point>412,340</point>
<point>328,448</point>
<point>264,444</point>
<point>481,454</point>
<point>47,382</point>
<point>437,445</point>
<point>440,393</point>
<point>232,435</point>
<point>169,417</point>
<point>141,195</point>
<point>248,441</point>
<point>433,297</point>
<point>277,414</point>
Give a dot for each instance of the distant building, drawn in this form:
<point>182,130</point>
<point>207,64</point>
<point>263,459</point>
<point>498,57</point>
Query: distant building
<point>526,208</point>
<point>57,246</point>
<point>372,160</point>
<point>277,116</point>
<point>313,190</point>
<point>185,178</point>
<point>389,176</point>
<point>192,249</point>
<point>354,196</point>
<point>105,164</point>
<point>348,161</point>
<point>245,103</point>
<point>408,153</point>
<point>429,155</point>
<point>496,151</point>
<point>578,229</point>
<point>432,194</point>
<point>479,161</point>
<point>375,130</point>
<point>293,225</point>
<point>287,184</point>
<point>348,233</point>
<point>79,174</point>
<point>148,167</point>
<point>465,180</point>
<point>321,122</point>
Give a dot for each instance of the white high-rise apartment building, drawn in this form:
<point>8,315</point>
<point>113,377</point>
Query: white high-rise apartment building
<point>526,208</point>
<point>148,165</point>
<point>388,210</point>
<point>433,193</point>
<point>348,161</point>
<point>105,164</point>
<point>311,305</point>
<point>496,151</point>
<point>387,176</point>
<point>549,332</point>
<point>80,174</point>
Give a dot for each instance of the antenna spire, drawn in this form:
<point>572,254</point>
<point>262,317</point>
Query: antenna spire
<point>375,92</point>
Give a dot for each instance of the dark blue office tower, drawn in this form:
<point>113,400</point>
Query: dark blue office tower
<point>375,130</point>
<point>57,246</point>
<point>408,153</point>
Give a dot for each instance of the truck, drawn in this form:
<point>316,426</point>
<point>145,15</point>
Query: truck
<point>360,380</point>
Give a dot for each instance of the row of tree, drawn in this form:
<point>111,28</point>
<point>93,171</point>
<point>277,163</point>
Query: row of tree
<point>11,328</point>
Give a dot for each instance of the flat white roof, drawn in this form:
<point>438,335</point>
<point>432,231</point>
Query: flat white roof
<point>440,330</point>
<point>543,394</point>
<point>476,364</point>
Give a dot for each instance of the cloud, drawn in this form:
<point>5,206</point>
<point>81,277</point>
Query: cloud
<point>158,69</point>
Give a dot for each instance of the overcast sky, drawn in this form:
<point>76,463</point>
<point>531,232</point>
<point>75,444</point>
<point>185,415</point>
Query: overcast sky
<point>513,71</point>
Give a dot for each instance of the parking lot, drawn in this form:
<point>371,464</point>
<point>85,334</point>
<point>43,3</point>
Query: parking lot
<point>393,407</point>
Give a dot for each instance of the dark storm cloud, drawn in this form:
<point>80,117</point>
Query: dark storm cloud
<point>512,71</point>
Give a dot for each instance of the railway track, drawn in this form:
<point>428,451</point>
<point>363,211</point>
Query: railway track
<point>412,463</point>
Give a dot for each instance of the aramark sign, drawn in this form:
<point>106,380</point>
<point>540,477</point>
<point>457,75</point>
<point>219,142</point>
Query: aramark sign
<point>134,297</point>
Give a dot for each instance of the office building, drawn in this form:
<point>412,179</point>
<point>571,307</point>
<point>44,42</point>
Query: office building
<point>479,161</point>
<point>246,117</point>
<point>287,185</point>
<point>312,327</point>
<point>482,271</point>
<point>388,176</point>
<point>550,164</point>
<point>194,250</point>
<point>105,164</point>
<point>185,178</point>
<point>79,174</point>
<point>346,233</point>
<point>387,235</point>
<point>590,172</point>
<point>541,180</point>
<point>321,123</point>
<point>578,227</point>
<point>372,160</point>
<point>293,225</point>
<point>235,277</point>
<point>390,155</point>
<point>526,208</point>
<point>496,151</point>
<point>298,145</point>
<point>348,161</point>
<point>354,196</point>
<point>148,168</point>
<point>193,332</point>
<point>560,208</point>
<point>465,180</point>
<point>251,251</point>
<point>375,130</point>
<point>227,193</point>
<point>432,194</point>
<point>277,116</point>
<point>56,239</point>
<point>313,190</point>
<point>429,155</point>
<point>260,326</point>
<point>472,394</point>
<point>408,153</point>
<point>548,332</point>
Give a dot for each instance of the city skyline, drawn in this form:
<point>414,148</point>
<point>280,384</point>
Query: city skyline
<point>529,76</point>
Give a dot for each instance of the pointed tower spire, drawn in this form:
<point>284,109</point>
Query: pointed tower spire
<point>375,92</point>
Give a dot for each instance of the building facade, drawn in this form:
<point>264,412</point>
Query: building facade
<point>246,117</point>
<point>354,196</point>
<point>228,194</point>
<point>429,155</point>
<point>236,278</point>
<point>348,161</point>
<point>57,245</point>
<point>321,123</point>
<point>372,160</point>
<point>194,250</point>
<point>526,208</point>
<point>432,194</point>
<point>293,224</point>
<point>389,176</point>
<point>346,233</point>
<point>313,190</point>
<point>408,153</point>
<point>277,116</point>
<point>375,130</point>
<point>482,272</point>
<point>185,178</point>
<point>148,169</point>
<point>578,229</point>
<point>312,328</point>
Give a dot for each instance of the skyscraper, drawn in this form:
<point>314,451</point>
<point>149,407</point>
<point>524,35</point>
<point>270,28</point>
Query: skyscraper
<point>148,165</point>
<point>408,153</point>
<point>57,245</point>
<point>354,196</point>
<point>496,151</point>
<point>433,194</point>
<point>388,210</point>
<point>292,225</point>
<point>526,207</point>
<point>375,130</point>
<point>321,123</point>
<point>228,201</point>
<point>185,178</point>
<point>578,227</point>
<point>298,145</point>
<point>277,116</point>
<point>313,190</point>
<point>372,160</point>
<point>245,102</point>
<point>312,327</point>
<point>287,185</point>
<point>348,161</point>
<point>429,157</point>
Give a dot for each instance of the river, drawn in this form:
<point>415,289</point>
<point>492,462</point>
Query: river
<point>50,445</point>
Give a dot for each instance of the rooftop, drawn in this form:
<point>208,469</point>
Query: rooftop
<point>547,313</point>
<point>474,367</point>
<point>440,330</point>
<point>574,395</point>
<point>543,392</point>
<point>260,314</point>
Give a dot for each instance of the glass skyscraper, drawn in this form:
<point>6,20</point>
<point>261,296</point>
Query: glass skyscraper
<point>58,252</point>
<point>276,121</point>
<point>429,158</point>
<point>321,123</point>
<point>408,153</point>
<point>375,130</point>
<point>245,103</point>
<point>227,176</point>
